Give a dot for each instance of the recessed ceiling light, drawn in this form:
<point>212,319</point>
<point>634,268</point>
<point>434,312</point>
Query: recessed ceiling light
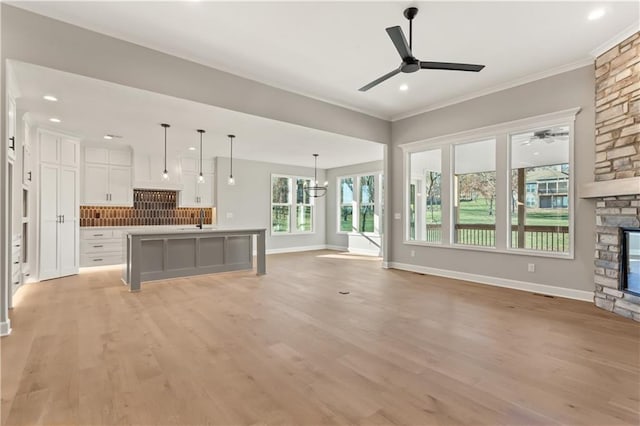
<point>536,153</point>
<point>404,87</point>
<point>54,120</point>
<point>596,14</point>
<point>192,148</point>
<point>50,98</point>
<point>108,137</point>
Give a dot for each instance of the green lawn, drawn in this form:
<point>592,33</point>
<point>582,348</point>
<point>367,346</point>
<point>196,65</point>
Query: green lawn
<point>477,212</point>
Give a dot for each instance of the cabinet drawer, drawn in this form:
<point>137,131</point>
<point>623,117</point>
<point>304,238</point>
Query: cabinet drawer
<point>97,234</point>
<point>100,246</point>
<point>100,259</point>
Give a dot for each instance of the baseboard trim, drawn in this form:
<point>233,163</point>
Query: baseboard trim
<point>336,248</point>
<point>567,293</point>
<point>5,328</point>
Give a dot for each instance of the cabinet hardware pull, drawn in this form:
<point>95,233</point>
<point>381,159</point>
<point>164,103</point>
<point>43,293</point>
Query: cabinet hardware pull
<point>16,282</point>
<point>16,263</point>
<point>62,218</point>
<point>29,179</point>
<point>98,235</point>
<point>13,143</point>
<point>98,246</point>
<point>97,260</point>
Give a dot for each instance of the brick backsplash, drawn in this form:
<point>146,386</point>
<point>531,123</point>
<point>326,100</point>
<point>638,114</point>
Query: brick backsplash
<point>150,208</point>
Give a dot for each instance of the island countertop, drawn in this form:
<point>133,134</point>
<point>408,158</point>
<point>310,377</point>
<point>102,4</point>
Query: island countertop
<point>194,229</point>
<point>158,254</point>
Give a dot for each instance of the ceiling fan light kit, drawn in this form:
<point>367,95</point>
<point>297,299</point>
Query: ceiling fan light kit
<point>410,63</point>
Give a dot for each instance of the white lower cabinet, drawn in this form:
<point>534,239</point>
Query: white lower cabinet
<point>99,247</point>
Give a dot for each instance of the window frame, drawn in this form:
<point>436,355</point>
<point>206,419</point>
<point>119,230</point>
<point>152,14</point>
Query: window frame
<point>293,206</point>
<point>501,133</point>
<point>356,203</point>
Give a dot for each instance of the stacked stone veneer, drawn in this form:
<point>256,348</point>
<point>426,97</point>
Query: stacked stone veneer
<point>617,157</point>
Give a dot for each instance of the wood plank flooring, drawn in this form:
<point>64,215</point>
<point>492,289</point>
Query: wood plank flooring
<point>287,348</point>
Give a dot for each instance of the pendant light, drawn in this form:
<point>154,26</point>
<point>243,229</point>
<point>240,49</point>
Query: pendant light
<point>315,190</point>
<point>165,173</point>
<point>231,180</point>
<point>200,177</point>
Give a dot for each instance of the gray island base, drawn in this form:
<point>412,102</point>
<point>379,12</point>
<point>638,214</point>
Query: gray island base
<point>156,255</point>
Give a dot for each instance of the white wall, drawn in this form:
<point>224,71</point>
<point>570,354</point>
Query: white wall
<point>556,93</point>
<point>249,201</point>
<point>334,238</point>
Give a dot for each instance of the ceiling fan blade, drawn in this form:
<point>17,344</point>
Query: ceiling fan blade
<point>380,80</point>
<point>450,66</point>
<point>400,42</point>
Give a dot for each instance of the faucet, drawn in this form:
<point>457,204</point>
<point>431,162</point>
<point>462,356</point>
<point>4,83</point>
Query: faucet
<point>199,225</point>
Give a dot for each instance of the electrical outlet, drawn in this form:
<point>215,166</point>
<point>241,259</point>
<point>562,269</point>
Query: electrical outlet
<point>397,216</point>
<point>413,253</point>
<point>531,267</point>
<point>229,215</point>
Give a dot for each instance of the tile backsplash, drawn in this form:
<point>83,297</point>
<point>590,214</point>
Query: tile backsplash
<point>150,207</point>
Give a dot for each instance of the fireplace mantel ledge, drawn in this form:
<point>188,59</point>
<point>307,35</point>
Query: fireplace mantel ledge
<point>611,188</point>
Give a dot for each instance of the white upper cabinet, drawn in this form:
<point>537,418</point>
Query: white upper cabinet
<point>107,177</point>
<point>58,149</point>
<point>194,192</point>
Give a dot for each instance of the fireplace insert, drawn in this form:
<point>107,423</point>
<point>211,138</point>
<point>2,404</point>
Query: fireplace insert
<point>630,262</point>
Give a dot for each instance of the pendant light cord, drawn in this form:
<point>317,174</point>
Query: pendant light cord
<point>231,155</point>
<point>165,148</point>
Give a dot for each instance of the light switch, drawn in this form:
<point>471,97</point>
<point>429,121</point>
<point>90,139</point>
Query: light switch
<point>229,215</point>
<point>397,216</point>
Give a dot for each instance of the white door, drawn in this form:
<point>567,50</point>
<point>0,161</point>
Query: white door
<point>189,193</point>
<point>49,221</point>
<point>68,228</point>
<point>96,184</point>
<point>205,191</point>
<point>11,128</point>
<point>27,172</point>
<point>120,190</point>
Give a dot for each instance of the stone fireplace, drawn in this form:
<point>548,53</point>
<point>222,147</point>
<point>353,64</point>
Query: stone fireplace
<point>616,185</point>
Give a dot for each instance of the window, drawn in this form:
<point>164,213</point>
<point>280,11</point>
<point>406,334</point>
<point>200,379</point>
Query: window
<point>283,204</point>
<point>474,211</point>
<point>540,219</point>
<point>359,203</point>
<point>506,187</point>
<point>346,204</point>
<point>425,204</point>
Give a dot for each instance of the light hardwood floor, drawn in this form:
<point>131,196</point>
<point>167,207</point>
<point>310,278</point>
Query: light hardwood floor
<point>287,348</point>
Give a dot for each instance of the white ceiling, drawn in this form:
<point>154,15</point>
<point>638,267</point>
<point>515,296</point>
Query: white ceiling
<point>90,108</point>
<point>328,50</point>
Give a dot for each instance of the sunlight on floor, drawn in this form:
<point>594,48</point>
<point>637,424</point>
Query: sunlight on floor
<point>349,256</point>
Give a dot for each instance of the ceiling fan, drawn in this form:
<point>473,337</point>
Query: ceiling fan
<point>409,62</point>
<point>547,135</point>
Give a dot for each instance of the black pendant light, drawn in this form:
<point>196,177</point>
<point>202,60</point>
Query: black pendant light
<point>200,177</point>
<point>316,191</point>
<point>165,173</point>
<point>231,180</point>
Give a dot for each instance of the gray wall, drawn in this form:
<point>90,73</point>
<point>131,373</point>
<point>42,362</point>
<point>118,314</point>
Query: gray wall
<point>333,237</point>
<point>39,40</point>
<point>249,200</point>
<point>556,93</point>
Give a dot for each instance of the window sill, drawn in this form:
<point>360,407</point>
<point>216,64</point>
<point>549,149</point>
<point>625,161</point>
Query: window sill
<point>519,252</point>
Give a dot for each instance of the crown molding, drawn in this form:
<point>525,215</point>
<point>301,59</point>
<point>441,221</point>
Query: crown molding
<point>498,88</point>
<point>613,41</point>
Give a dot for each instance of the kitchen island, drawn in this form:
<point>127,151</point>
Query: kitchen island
<point>161,254</point>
